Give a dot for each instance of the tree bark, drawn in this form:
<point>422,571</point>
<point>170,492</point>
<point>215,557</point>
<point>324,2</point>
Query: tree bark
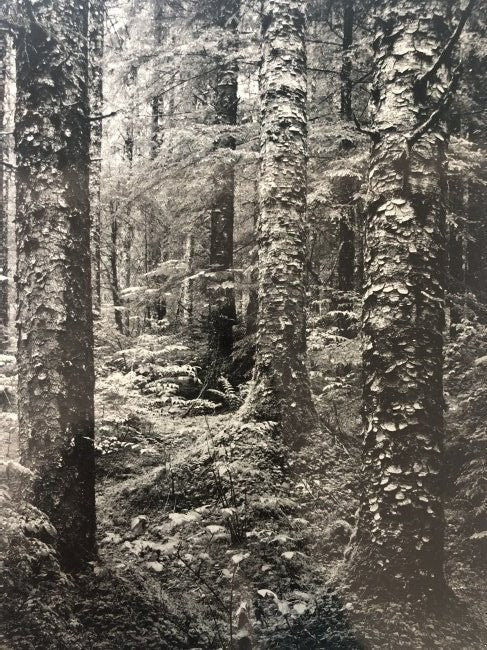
<point>96,30</point>
<point>4,306</point>
<point>221,298</point>
<point>55,328</point>
<point>187,298</point>
<point>399,546</point>
<point>346,71</point>
<point>115,285</point>
<point>281,390</point>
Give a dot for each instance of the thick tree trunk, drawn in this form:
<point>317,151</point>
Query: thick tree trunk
<point>399,543</point>
<point>55,329</point>
<point>95,88</point>
<point>4,308</point>
<point>221,298</point>
<point>281,390</point>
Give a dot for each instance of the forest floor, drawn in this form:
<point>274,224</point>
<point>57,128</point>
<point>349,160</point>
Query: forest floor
<point>211,535</point>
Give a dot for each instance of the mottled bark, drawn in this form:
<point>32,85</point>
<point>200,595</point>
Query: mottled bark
<point>221,296</point>
<point>399,546</point>
<point>281,390</point>
<point>3,207</point>
<point>55,329</point>
<point>95,89</point>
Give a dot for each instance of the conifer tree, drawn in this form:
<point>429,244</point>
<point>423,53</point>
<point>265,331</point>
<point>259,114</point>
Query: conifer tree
<point>281,389</point>
<point>55,329</point>
<point>399,547</point>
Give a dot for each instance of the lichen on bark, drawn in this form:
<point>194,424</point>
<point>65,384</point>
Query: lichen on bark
<point>281,390</point>
<point>55,329</point>
<point>399,540</point>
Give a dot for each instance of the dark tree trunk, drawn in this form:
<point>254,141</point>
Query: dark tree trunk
<point>115,286</point>
<point>346,71</point>
<point>95,89</point>
<point>399,547</point>
<point>55,328</point>
<point>3,207</point>
<point>281,390</point>
<point>345,185</point>
<point>221,296</point>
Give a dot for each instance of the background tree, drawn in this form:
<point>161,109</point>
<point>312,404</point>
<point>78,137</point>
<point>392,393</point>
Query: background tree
<point>4,302</point>
<point>96,29</point>
<point>55,337</point>
<point>222,295</point>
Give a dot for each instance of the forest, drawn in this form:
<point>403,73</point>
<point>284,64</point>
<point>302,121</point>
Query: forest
<point>243,324</point>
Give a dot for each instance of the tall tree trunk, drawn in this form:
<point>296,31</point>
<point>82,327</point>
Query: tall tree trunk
<point>115,285</point>
<point>345,187</point>
<point>186,307</point>
<point>222,312</point>
<point>4,308</point>
<point>281,390</point>
<point>55,328</point>
<point>346,71</point>
<point>399,545</point>
<point>95,88</point>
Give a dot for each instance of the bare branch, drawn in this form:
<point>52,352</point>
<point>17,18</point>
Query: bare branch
<point>436,114</point>
<point>447,50</point>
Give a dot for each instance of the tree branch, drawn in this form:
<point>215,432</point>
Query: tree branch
<point>375,135</point>
<point>436,114</point>
<point>447,50</point>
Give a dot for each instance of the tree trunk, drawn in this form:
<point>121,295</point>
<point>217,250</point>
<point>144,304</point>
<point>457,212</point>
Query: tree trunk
<point>3,207</point>
<point>345,184</point>
<point>55,328</point>
<point>115,285</point>
<point>346,189</point>
<point>95,88</point>
<point>399,545</point>
<point>281,390</point>
<point>346,71</point>
<point>186,306</point>
<point>221,298</point>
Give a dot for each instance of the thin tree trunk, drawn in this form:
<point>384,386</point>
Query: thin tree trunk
<point>399,546</point>
<point>115,286</point>
<point>222,311</point>
<point>4,307</point>
<point>95,88</point>
<point>187,298</point>
<point>346,189</point>
<point>55,328</point>
<point>346,71</point>
<point>281,390</point>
